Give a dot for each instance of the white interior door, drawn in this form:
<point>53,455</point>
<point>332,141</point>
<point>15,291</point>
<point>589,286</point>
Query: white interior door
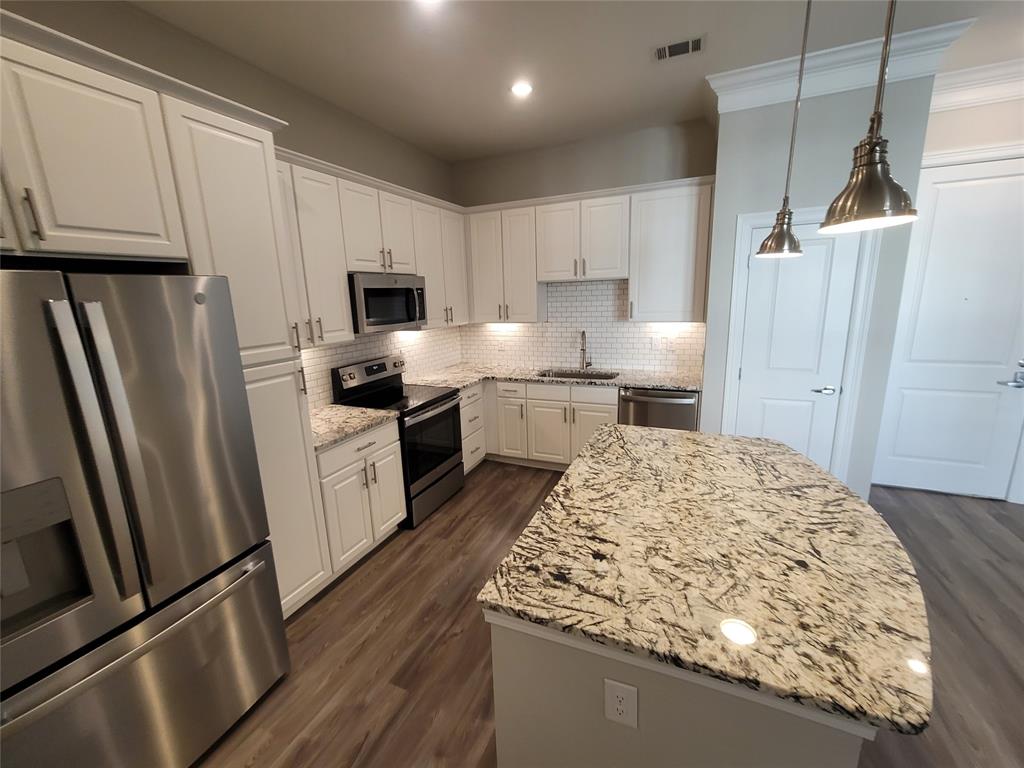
<point>794,343</point>
<point>947,424</point>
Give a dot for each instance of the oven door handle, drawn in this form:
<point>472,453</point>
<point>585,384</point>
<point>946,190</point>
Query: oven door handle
<point>432,412</point>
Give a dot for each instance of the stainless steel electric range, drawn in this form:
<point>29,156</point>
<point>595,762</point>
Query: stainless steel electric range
<point>429,426</point>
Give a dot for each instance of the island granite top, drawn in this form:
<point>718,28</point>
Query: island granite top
<point>333,424</point>
<point>653,537</point>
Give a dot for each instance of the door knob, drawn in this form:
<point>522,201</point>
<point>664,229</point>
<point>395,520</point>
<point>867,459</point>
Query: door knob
<point>1017,382</point>
<point>828,389</point>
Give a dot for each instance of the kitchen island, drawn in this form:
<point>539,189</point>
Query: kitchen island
<point>653,546</point>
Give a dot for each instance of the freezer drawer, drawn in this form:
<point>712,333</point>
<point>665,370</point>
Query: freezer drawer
<point>162,692</point>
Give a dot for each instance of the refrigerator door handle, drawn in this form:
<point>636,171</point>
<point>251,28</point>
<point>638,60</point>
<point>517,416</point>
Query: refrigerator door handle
<point>136,485</point>
<point>88,404</point>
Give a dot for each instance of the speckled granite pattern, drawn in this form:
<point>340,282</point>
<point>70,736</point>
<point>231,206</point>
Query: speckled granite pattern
<point>333,424</point>
<point>653,537</point>
<point>466,375</point>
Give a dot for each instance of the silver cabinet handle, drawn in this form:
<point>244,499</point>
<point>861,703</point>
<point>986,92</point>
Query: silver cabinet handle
<point>373,471</point>
<point>364,447</point>
<point>630,310</point>
<point>475,450</point>
<point>366,479</point>
<point>302,380</point>
<point>499,311</point>
<point>584,267</point>
<point>475,418</point>
<point>574,266</point>
<point>574,414</point>
<point>136,485</point>
<point>298,340</point>
<point>565,414</point>
<point>391,261</point>
<point>521,416</point>
<point>320,327</point>
<point>471,398</point>
<point>309,330</point>
<point>99,445</point>
<point>30,198</point>
<point>506,312</point>
<point>383,263</point>
<point>828,389</point>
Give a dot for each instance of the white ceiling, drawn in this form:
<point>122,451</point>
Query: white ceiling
<point>437,75</point>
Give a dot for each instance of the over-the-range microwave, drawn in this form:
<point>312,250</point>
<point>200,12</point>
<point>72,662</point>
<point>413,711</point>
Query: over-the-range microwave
<point>387,302</point>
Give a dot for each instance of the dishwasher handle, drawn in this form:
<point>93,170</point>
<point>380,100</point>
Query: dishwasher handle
<point>663,400</point>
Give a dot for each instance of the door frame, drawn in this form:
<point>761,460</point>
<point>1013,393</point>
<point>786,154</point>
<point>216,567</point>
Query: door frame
<point>856,342</point>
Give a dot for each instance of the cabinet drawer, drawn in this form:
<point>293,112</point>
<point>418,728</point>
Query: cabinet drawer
<point>472,394</point>
<point>511,389</point>
<point>595,394</point>
<point>356,449</point>
<point>557,392</point>
<point>472,417</point>
<point>473,449</point>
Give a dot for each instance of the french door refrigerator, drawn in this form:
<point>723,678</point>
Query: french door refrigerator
<point>140,612</point>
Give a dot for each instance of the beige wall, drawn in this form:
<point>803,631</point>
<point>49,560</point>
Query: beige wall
<point>983,126</point>
<point>315,127</point>
<point>637,157</point>
<point>750,172</point>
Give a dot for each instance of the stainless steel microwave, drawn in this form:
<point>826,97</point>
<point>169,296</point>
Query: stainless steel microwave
<point>387,302</point>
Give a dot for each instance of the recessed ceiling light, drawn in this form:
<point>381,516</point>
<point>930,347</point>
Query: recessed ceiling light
<point>522,88</point>
<point>738,631</point>
<point>918,666</point>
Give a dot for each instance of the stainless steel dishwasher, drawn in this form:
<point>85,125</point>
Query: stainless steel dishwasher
<point>668,408</point>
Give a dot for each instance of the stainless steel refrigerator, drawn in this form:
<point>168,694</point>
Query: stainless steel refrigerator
<point>140,612</point>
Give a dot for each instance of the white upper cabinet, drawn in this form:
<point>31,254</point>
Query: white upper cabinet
<point>558,242</point>
<point>430,261</point>
<point>396,227</point>
<point>230,198</point>
<point>295,276</point>
<point>322,244</point>
<point>86,160</point>
<point>8,237</point>
<point>485,256</point>
<point>519,256</point>
<point>453,248</point>
<point>604,238</point>
<point>668,253</point>
<point>360,213</point>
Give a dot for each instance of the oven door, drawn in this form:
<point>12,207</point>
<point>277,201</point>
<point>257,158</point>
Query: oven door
<point>387,302</point>
<point>432,445</point>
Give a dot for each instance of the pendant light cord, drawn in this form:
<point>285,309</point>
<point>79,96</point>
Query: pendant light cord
<point>883,65</point>
<point>796,104</point>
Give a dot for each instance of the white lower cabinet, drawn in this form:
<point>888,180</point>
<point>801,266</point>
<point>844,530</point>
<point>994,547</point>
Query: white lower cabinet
<point>288,471</point>
<point>387,490</point>
<point>586,417</point>
<point>547,424</point>
<point>474,448</point>
<point>347,507</point>
<point>474,436</point>
<point>512,427</point>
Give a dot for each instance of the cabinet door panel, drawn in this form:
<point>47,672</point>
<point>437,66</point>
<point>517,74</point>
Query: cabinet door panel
<point>547,426</point>
<point>8,235</point>
<point>558,242</point>
<point>396,226</point>
<point>485,258</point>
<point>284,447</point>
<point>347,507</point>
<point>323,255</point>
<point>512,427</point>
<point>586,418</point>
<point>227,182</point>
<point>360,214</point>
<point>388,490</point>
<point>93,152</point>
<point>294,276</point>
<point>604,246</point>
<point>668,253</point>
<point>453,246</point>
<point>519,257</point>
<point>426,226</point>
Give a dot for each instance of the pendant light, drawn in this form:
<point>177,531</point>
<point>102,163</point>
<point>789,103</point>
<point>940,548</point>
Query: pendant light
<point>872,198</point>
<point>781,242</point>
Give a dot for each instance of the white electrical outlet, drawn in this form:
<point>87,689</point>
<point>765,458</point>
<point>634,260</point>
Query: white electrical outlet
<point>620,702</point>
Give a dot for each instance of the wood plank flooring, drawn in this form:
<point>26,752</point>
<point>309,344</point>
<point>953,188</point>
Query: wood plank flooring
<point>391,666</point>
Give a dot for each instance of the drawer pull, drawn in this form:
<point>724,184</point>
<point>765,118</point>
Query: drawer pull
<point>368,445</point>
<point>475,450</point>
<point>475,418</point>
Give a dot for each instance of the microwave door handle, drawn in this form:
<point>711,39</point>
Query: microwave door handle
<point>95,432</point>
<point>140,505</point>
<point>416,301</point>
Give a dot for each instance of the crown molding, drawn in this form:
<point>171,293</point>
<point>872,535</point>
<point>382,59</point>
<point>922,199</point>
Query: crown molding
<point>22,30</point>
<point>835,70</point>
<point>979,154</point>
<point>979,85</point>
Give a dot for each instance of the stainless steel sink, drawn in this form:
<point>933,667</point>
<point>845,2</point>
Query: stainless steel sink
<point>576,373</point>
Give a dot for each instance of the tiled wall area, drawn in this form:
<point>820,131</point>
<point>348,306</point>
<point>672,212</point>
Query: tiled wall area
<point>423,351</point>
<point>601,308</point>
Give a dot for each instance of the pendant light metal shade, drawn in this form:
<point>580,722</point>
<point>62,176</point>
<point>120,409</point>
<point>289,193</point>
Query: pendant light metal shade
<point>781,242</point>
<point>872,198</point>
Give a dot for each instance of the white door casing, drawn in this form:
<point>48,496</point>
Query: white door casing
<point>947,425</point>
<point>794,341</point>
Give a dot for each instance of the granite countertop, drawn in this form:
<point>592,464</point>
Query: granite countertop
<point>465,375</point>
<point>333,424</point>
<point>653,537</point>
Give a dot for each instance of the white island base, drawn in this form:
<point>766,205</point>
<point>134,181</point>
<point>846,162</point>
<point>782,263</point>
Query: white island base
<point>549,711</point>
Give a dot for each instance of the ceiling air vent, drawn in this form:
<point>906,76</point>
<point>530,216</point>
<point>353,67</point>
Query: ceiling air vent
<point>679,49</point>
